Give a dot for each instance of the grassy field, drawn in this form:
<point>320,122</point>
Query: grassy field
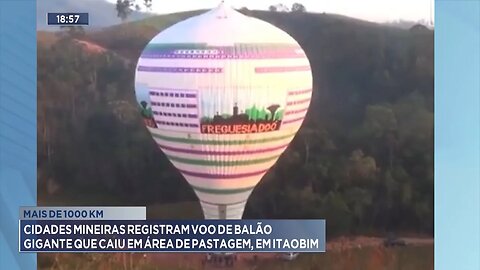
<point>373,258</point>
<point>405,258</point>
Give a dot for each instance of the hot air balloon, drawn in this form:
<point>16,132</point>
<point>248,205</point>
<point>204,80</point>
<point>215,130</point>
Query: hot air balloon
<point>223,94</point>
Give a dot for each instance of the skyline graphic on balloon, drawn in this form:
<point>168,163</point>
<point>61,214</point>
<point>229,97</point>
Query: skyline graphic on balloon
<point>223,95</point>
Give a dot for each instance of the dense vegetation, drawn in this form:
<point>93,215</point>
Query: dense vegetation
<point>363,159</point>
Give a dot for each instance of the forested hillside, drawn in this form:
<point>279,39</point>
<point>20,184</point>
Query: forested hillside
<point>363,159</point>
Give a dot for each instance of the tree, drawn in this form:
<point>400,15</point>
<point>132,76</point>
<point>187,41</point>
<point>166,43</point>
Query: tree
<point>379,119</point>
<point>361,167</point>
<point>297,7</point>
<point>358,201</point>
<point>278,8</point>
<point>125,7</point>
<point>245,11</point>
<point>282,8</point>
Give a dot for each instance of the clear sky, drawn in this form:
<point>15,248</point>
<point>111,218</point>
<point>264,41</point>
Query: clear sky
<point>371,10</point>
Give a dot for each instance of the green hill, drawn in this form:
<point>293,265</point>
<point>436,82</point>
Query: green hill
<point>129,39</point>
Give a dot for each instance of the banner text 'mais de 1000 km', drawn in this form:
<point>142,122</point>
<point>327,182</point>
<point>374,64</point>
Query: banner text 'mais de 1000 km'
<point>64,213</point>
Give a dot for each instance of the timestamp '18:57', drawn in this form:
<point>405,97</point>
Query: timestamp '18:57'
<point>67,18</point>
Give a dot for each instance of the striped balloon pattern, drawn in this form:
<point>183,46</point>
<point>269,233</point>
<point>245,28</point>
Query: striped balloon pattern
<point>223,95</point>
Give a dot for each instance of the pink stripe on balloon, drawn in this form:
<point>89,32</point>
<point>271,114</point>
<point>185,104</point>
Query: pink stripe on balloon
<point>222,176</point>
<point>299,92</point>
<point>296,111</point>
<point>296,102</point>
<point>221,153</point>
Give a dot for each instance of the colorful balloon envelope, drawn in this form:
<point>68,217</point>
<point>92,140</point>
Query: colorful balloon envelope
<point>223,95</point>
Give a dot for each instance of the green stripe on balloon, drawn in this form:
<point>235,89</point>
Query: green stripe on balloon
<point>221,191</point>
<point>222,163</point>
<point>178,46</point>
<point>215,142</point>
<point>205,46</point>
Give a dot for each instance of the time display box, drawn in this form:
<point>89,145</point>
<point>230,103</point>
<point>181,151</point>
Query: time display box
<point>67,18</point>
